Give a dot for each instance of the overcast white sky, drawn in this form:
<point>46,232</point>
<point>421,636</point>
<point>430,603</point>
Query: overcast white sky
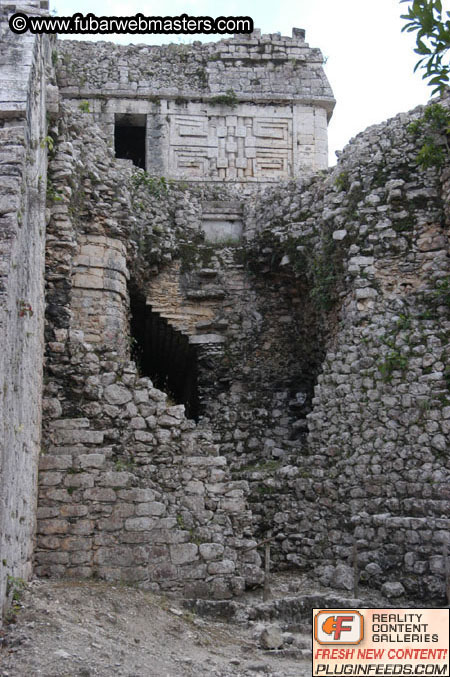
<point>369,61</point>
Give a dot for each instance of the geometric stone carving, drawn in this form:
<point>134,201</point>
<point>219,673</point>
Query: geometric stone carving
<point>213,145</point>
<point>272,163</point>
<point>273,130</point>
<point>189,161</point>
<point>189,129</point>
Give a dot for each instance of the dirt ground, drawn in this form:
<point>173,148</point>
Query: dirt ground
<point>82,629</point>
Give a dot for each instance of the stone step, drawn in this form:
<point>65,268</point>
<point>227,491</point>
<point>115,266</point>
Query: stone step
<point>207,272</point>
<point>211,294</point>
<point>201,339</point>
<point>211,326</point>
<point>294,613</point>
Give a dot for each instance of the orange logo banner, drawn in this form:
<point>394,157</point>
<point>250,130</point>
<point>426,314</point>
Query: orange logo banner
<point>380,642</point>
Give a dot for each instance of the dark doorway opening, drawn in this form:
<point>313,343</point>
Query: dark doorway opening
<point>164,354</point>
<point>129,138</point>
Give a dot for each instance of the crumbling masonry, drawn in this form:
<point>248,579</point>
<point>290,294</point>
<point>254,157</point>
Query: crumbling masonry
<point>233,341</point>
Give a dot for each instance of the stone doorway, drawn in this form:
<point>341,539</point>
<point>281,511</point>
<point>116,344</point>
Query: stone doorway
<point>164,354</point>
<point>129,138</point>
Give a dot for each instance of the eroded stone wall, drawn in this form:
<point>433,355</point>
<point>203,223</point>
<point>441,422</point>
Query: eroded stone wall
<point>99,293</point>
<point>321,341</point>
<point>22,232</point>
<point>316,311</point>
<point>372,241</point>
<point>130,489</point>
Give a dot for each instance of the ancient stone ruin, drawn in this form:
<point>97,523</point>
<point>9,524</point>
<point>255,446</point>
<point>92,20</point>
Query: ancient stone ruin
<point>208,338</point>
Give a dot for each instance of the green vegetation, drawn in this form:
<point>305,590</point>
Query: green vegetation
<point>447,377</point>
<point>53,195</point>
<point>264,490</point>
<point>319,263</point>
<point>154,185</point>
<point>264,466</point>
<point>342,182</point>
<point>432,40</point>
<point>84,107</point>
<point>196,254</point>
<point>227,99</point>
<point>14,588</point>
<point>435,298</point>
<point>202,76</point>
<point>441,294</point>
<point>394,361</point>
<point>326,270</point>
<point>121,465</point>
<point>48,142</point>
<point>404,322</point>
<point>433,127</point>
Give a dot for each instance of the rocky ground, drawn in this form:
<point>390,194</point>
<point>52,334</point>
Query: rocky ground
<point>68,629</point>
<point>86,629</point>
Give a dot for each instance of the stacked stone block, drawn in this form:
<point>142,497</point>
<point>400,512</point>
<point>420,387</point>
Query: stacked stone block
<point>22,233</point>
<point>376,465</point>
<point>100,291</point>
<point>130,489</point>
<point>145,499</point>
<point>369,418</point>
<point>322,334</point>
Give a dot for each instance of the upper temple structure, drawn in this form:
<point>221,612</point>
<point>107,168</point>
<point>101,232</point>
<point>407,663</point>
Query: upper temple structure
<point>209,339</point>
<point>248,109</point>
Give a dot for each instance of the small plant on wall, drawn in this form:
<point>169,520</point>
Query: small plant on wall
<point>228,99</point>
<point>433,128</point>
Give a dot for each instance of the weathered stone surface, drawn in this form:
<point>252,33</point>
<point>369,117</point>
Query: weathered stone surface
<point>97,494</point>
<point>224,567</point>
<point>23,175</point>
<point>271,638</point>
<point>116,394</point>
<point>318,332</point>
<point>139,524</point>
<point>153,508</point>
<point>90,460</point>
<point>342,578</point>
<point>257,141</point>
<point>183,553</point>
<point>211,551</point>
<point>115,479</point>
<point>392,589</point>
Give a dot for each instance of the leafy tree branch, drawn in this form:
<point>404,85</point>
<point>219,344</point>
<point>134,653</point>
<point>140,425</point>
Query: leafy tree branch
<point>432,40</point>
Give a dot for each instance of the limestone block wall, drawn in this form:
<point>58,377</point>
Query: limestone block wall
<point>129,488</point>
<point>254,381</point>
<point>135,492</point>
<point>344,274</point>
<point>99,291</point>
<point>23,156</point>
<point>371,241</point>
<point>258,345</point>
<point>249,109</point>
<point>265,315</point>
